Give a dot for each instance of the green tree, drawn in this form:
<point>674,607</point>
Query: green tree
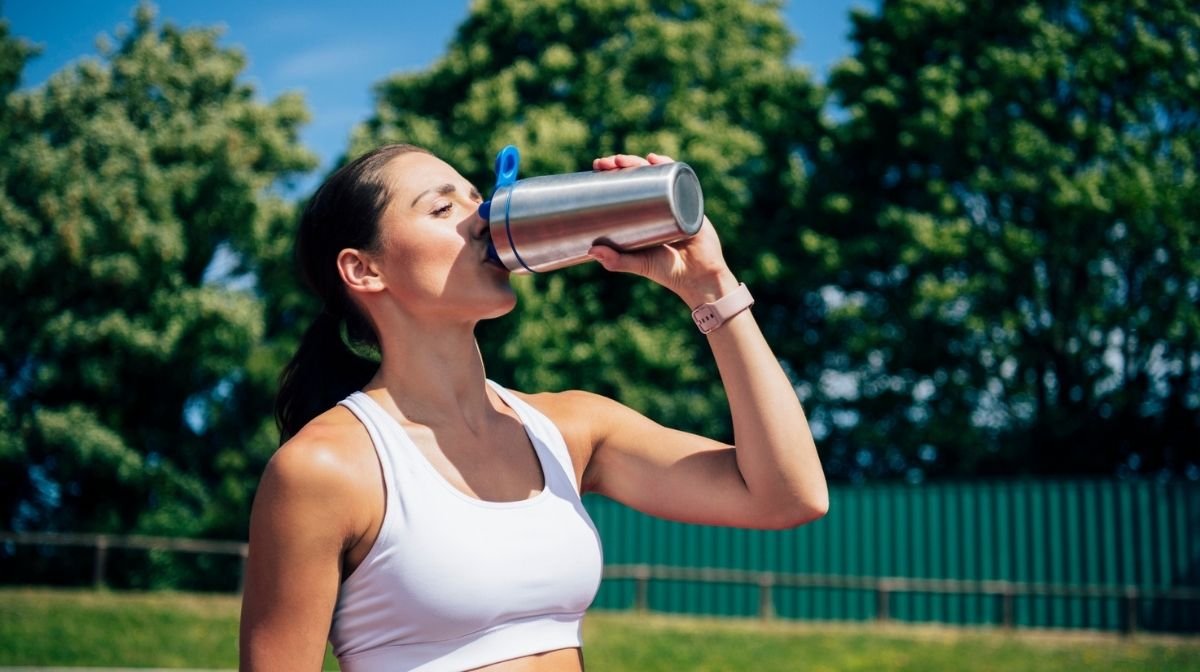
<point>706,81</point>
<point>13,55</point>
<point>1013,192</point>
<point>135,192</point>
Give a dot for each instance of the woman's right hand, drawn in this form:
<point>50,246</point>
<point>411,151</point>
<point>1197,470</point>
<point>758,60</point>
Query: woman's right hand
<point>693,268</point>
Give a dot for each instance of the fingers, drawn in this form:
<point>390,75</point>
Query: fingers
<point>628,161</point>
<point>618,161</point>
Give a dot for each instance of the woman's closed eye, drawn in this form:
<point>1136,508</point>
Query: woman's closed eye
<point>442,207</point>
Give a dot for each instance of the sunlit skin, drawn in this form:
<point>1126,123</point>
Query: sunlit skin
<point>320,504</point>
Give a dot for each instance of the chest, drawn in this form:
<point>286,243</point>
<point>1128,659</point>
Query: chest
<point>498,463</point>
<point>462,561</point>
<point>446,564</point>
<point>459,560</point>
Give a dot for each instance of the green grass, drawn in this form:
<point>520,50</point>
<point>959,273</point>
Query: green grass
<point>625,642</point>
<point>82,627</point>
<point>98,628</point>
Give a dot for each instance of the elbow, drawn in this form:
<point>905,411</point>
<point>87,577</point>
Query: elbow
<point>819,506</point>
<point>802,511</point>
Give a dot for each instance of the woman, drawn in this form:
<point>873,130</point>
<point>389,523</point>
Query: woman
<point>419,516</point>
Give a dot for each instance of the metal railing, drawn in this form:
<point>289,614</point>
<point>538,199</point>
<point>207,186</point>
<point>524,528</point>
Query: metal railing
<point>886,586</point>
<point>642,574</point>
<point>101,543</point>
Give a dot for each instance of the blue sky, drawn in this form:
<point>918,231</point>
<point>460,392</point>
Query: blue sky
<point>334,52</point>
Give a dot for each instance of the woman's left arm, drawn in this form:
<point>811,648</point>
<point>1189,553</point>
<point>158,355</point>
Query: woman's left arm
<point>772,476</point>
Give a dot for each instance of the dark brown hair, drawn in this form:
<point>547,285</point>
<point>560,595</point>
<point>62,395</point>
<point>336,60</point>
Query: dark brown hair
<point>343,213</point>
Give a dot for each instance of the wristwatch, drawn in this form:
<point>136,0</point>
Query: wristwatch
<point>709,316</point>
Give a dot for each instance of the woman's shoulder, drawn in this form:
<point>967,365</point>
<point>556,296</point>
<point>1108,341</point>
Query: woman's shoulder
<point>584,418</point>
<point>569,412</point>
<point>569,407</point>
<point>578,408</point>
<point>331,454</point>
<point>318,496</point>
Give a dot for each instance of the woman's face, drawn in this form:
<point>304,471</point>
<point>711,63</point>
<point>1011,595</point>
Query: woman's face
<point>434,245</point>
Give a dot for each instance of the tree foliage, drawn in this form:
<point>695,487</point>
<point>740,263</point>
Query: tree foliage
<point>978,255</point>
<point>1013,194</point>
<point>706,81</point>
<point>134,191</point>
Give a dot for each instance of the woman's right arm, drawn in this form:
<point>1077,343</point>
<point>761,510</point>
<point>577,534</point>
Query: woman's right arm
<point>304,518</point>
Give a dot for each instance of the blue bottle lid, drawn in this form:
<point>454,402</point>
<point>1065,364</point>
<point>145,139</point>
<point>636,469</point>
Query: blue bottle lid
<point>508,162</point>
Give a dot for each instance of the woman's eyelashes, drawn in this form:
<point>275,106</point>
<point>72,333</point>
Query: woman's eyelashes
<point>443,207</point>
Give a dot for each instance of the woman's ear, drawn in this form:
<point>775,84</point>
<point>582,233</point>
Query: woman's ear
<point>359,272</point>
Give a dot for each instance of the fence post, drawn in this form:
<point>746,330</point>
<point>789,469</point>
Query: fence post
<point>641,601</point>
<point>766,608</point>
<point>244,554</point>
<point>882,601</point>
<point>98,568</point>
<point>1131,607</point>
<point>1006,608</point>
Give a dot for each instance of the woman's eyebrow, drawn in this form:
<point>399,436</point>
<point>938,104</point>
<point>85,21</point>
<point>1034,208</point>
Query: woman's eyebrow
<point>445,189</point>
<point>441,190</point>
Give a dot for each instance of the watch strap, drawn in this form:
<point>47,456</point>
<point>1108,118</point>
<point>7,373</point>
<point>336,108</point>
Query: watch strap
<point>710,316</point>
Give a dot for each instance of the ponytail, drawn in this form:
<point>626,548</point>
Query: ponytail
<point>343,213</point>
<point>323,371</point>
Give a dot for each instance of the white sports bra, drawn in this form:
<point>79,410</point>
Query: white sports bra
<point>454,582</point>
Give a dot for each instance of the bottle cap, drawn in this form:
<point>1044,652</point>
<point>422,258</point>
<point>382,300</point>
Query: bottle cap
<point>508,162</point>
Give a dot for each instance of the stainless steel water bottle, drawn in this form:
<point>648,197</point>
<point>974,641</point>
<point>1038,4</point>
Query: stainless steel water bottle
<point>544,223</point>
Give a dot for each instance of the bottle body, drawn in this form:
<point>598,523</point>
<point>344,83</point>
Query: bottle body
<point>541,224</point>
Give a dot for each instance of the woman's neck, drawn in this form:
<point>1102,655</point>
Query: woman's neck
<point>434,374</point>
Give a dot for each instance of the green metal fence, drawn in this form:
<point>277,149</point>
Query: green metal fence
<point>1107,555</point>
